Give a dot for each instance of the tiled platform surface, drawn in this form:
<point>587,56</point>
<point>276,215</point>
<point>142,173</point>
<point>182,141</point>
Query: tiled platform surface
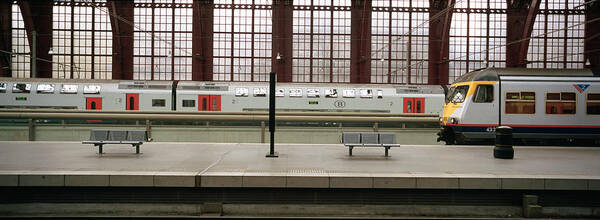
<point>298,166</point>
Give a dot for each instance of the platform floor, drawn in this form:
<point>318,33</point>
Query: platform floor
<point>163,164</point>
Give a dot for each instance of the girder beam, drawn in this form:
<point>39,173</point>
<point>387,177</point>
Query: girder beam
<point>202,40</point>
<point>440,18</point>
<point>360,43</point>
<point>282,40</point>
<point>591,44</point>
<point>37,16</point>
<point>519,25</point>
<point>121,22</point>
<point>5,39</point>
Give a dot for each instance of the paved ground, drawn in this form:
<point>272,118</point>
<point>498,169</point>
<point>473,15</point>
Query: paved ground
<point>298,165</point>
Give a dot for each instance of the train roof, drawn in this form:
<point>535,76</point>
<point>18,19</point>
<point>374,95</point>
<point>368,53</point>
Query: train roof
<point>493,74</point>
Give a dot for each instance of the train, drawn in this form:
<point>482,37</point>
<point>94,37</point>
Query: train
<point>540,105</point>
<point>132,95</point>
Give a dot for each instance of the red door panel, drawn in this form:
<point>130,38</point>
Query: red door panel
<point>409,105</point>
<point>215,103</point>
<point>419,106</point>
<point>93,103</point>
<point>209,103</point>
<point>203,103</point>
<point>132,101</point>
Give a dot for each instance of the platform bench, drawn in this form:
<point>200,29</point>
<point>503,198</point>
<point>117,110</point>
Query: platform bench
<point>369,139</point>
<point>102,137</point>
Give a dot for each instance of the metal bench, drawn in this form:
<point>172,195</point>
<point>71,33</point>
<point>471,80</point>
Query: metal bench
<point>102,137</point>
<point>369,139</point>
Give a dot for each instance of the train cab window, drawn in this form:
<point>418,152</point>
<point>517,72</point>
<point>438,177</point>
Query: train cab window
<point>68,89</point>
<point>295,92</point>
<point>560,103</point>
<point>158,103</point>
<point>91,89</point>
<point>241,92</point>
<point>484,94</point>
<point>189,103</point>
<point>21,88</point>
<point>366,93</point>
<point>457,94</point>
<point>2,87</point>
<point>331,93</point>
<point>45,88</point>
<point>593,103</point>
<point>349,93</point>
<point>520,103</point>
<point>313,93</point>
<point>379,94</point>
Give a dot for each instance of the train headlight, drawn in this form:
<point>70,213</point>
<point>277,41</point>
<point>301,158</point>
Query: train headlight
<point>453,121</point>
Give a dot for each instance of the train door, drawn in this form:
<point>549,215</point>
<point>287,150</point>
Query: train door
<point>132,101</point>
<point>93,103</point>
<point>209,103</point>
<point>414,105</point>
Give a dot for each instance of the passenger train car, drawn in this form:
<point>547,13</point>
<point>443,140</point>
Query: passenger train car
<point>217,96</point>
<point>539,104</point>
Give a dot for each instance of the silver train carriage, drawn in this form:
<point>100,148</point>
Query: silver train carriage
<point>217,96</point>
<point>539,104</point>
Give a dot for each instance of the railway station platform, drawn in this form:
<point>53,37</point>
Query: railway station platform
<point>239,179</point>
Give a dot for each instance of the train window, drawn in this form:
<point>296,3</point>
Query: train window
<point>527,95</point>
<point>158,103</point>
<point>520,103</point>
<point>484,94</point>
<point>68,89</point>
<point>331,93</point>
<point>45,88</point>
<point>189,103</point>
<point>380,94</point>
<point>513,95</point>
<point>366,93</point>
<point>260,92</point>
<point>295,92</point>
<point>91,89</point>
<point>567,96</point>
<point>21,88</point>
<point>2,87</point>
<point>553,96</point>
<point>279,93</point>
<point>241,92</point>
<point>349,93</point>
<point>593,103</point>
<point>560,103</point>
<point>313,93</point>
<point>457,94</point>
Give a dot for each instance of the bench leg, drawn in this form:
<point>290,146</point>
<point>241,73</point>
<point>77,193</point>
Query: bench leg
<point>99,148</point>
<point>350,150</point>
<point>137,149</point>
<point>386,151</point>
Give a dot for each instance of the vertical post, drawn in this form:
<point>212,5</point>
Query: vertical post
<point>360,48</point>
<point>272,81</point>
<point>34,56</point>
<point>262,132</point>
<point>149,129</point>
<point>31,126</point>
